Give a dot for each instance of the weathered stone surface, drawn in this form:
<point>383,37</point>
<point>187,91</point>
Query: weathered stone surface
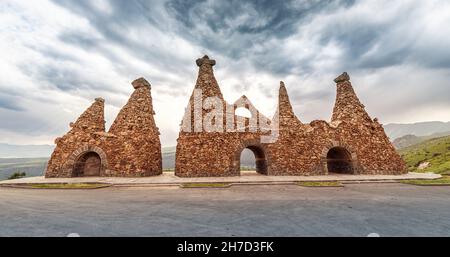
<point>352,142</point>
<point>136,151</point>
<point>140,82</point>
<point>301,149</point>
<point>205,60</point>
<point>342,78</point>
<point>130,148</point>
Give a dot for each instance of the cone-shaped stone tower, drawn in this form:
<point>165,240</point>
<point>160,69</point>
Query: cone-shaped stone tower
<point>212,137</point>
<point>352,143</point>
<point>135,148</point>
<point>206,86</point>
<point>206,80</point>
<point>284,116</point>
<point>84,134</point>
<point>92,119</point>
<point>347,106</point>
<point>364,139</point>
<point>131,148</point>
<point>205,152</point>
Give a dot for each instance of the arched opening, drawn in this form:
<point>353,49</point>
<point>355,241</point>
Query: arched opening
<point>87,165</point>
<point>253,160</point>
<point>339,160</point>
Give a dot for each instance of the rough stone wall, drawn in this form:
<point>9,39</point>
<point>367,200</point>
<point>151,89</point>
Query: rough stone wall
<point>85,133</point>
<point>301,149</point>
<point>214,153</point>
<point>135,149</point>
<point>130,148</point>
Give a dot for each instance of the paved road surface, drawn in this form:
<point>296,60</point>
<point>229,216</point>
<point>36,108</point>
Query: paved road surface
<point>356,210</point>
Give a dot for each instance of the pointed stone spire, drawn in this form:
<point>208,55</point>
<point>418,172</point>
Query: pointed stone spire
<point>92,119</point>
<point>206,80</point>
<point>137,114</point>
<point>347,106</point>
<point>136,146</point>
<point>140,82</point>
<point>285,113</point>
<point>284,103</point>
<point>206,86</point>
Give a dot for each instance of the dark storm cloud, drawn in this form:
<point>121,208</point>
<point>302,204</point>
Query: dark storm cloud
<point>245,29</point>
<point>9,102</point>
<point>359,37</point>
<point>236,29</point>
<point>123,12</point>
<point>84,41</point>
<point>278,18</point>
<point>369,43</point>
<point>113,27</point>
<point>242,29</point>
<point>63,78</point>
<point>270,18</point>
<point>390,46</point>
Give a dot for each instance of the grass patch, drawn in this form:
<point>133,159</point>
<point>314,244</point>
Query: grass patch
<point>247,168</point>
<point>68,185</point>
<point>205,185</point>
<point>320,184</point>
<point>435,151</point>
<point>444,181</point>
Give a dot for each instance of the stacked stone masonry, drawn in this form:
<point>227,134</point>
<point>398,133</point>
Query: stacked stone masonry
<point>131,148</point>
<point>351,143</point>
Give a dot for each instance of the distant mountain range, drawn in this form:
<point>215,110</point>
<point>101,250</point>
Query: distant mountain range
<point>409,140</point>
<point>420,129</point>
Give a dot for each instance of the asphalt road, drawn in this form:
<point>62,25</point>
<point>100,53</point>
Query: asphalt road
<point>355,210</point>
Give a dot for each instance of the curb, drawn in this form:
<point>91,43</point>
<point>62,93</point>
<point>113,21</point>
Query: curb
<point>28,186</point>
<point>427,185</point>
<point>232,182</point>
<point>209,187</point>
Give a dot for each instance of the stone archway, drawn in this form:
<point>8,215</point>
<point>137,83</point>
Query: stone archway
<point>87,161</point>
<point>87,165</point>
<point>339,160</point>
<point>261,158</point>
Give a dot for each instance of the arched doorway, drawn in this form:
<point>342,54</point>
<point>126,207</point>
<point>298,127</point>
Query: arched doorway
<point>339,160</point>
<point>253,158</point>
<point>88,165</point>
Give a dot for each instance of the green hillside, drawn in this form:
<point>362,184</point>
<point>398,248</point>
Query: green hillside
<point>429,156</point>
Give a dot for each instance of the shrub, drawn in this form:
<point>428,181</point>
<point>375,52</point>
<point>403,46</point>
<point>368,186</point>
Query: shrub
<point>18,174</point>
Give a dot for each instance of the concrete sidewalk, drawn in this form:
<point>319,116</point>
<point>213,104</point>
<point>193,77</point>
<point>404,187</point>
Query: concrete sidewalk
<point>247,177</point>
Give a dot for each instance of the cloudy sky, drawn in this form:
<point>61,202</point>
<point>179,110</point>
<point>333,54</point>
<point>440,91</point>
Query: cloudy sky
<point>57,56</point>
